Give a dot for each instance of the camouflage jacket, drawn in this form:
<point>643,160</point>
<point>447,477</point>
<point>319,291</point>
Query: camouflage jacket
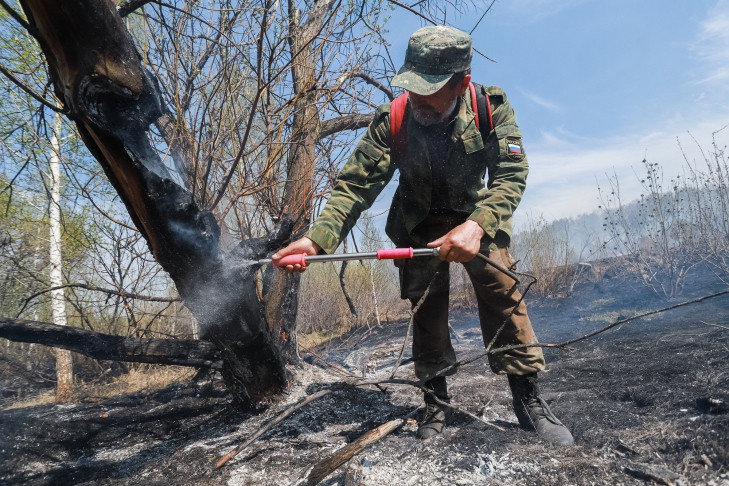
<point>489,202</point>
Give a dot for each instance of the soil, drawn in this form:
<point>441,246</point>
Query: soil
<point>647,402</point>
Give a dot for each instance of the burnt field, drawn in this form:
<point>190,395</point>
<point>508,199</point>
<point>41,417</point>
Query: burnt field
<point>647,402</point>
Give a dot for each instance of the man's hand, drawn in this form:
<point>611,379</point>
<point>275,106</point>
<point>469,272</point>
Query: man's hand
<point>302,245</point>
<point>461,244</point>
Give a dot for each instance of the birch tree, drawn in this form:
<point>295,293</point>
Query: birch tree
<point>64,360</point>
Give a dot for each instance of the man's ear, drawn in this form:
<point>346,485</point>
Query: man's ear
<point>464,84</point>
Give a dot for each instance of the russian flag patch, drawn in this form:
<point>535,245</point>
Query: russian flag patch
<point>514,148</point>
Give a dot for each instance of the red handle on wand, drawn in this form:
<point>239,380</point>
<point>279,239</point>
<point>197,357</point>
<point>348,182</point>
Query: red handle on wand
<point>394,253</point>
<point>293,259</point>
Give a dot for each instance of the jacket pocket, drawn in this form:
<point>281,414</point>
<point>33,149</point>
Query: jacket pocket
<point>473,143</point>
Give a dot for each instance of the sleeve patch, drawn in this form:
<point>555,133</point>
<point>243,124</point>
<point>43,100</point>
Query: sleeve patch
<point>514,148</point>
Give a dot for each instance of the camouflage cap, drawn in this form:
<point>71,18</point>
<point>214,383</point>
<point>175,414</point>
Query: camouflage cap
<point>433,55</point>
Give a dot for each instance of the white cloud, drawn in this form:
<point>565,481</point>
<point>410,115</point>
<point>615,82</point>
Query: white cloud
<point>712,45</point>
<point>543,102</point>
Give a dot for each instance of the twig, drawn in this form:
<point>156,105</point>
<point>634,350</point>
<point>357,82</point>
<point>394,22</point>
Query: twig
<point>410,325</point>
<point>16,16</point>
<point>465,412</point>
<point>268,426</point>
<point>715,325</point>
<point>30,91</point>
<point>339,370</point>
<point>645,314</point>
<point>482,16</point>
<point>413,11</point>
<point>120,293</point>
<point>324,468</point>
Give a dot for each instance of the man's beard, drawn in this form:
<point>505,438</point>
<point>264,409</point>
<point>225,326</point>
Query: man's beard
<point>429,119</point>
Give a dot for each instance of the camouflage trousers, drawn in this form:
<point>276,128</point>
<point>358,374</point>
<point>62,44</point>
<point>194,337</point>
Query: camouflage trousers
<point>496,295</point>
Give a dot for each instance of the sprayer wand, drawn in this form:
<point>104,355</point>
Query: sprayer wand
<point>390,254</point>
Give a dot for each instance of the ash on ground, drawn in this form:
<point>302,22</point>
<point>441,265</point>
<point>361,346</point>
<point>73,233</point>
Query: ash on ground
<point>647,403</point>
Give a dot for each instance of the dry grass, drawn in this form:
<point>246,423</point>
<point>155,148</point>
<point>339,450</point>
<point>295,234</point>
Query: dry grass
<point>136,380</point>
<point>313,339</point>
<point>42,398</point>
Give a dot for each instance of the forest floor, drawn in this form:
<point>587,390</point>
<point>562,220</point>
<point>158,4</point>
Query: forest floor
<point>647,402</point>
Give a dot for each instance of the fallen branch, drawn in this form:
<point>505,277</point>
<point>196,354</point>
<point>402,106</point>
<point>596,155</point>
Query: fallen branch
<point>201,354</point>
<point>324,468</point>
<point>269,425</point>
<point>338,370</point>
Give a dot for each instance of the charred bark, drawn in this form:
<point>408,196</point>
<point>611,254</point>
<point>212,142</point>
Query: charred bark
<point>97,75</point>
<point>201,354</point>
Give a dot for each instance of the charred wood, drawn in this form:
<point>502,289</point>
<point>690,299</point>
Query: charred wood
<point>200,354</point>
<point>331,463</point>
<point>301,403</point>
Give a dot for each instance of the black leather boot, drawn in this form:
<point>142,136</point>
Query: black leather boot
<point>533,412</point>
<point>434,418</point>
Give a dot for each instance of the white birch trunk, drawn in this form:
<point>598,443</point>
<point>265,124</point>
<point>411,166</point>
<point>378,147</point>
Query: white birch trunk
<point>64,363</point>
<point>374,293</point>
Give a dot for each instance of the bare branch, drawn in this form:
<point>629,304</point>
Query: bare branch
<point>412,10</point>
<point>120,293</point>
<point>15,15</point>
<point>125,8</point>
<point>27,89</point>
<point>345,122</point>
<point>324,468</point>
<point>374,82</point>
<point>482,16</point>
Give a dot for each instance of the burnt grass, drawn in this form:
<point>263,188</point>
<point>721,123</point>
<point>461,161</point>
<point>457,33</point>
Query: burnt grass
<point>647,402</point>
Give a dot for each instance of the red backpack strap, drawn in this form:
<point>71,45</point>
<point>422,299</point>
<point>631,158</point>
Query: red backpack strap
<point>474,105</point>
<point>398,130</point>
<point>488,108</point>
<point>480,104</point>
<point>482,110</point>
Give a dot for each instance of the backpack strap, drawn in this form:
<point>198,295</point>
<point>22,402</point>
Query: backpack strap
<point>480,104</point>
<point>482,109</point>
<point>474,106</point>
<point>398,129</point>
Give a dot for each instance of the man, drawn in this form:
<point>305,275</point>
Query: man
<point>442,201</point>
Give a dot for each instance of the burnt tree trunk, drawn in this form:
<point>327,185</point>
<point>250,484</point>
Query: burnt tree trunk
<point>97,75</point>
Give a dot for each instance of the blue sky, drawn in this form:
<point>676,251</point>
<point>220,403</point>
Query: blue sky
<point>599,85</point>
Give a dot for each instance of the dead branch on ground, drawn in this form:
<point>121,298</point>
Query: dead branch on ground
<point>301,403</point>
<point>324,468</point>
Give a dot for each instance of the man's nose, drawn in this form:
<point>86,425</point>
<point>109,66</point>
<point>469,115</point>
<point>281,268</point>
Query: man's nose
<point>420,104</point>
